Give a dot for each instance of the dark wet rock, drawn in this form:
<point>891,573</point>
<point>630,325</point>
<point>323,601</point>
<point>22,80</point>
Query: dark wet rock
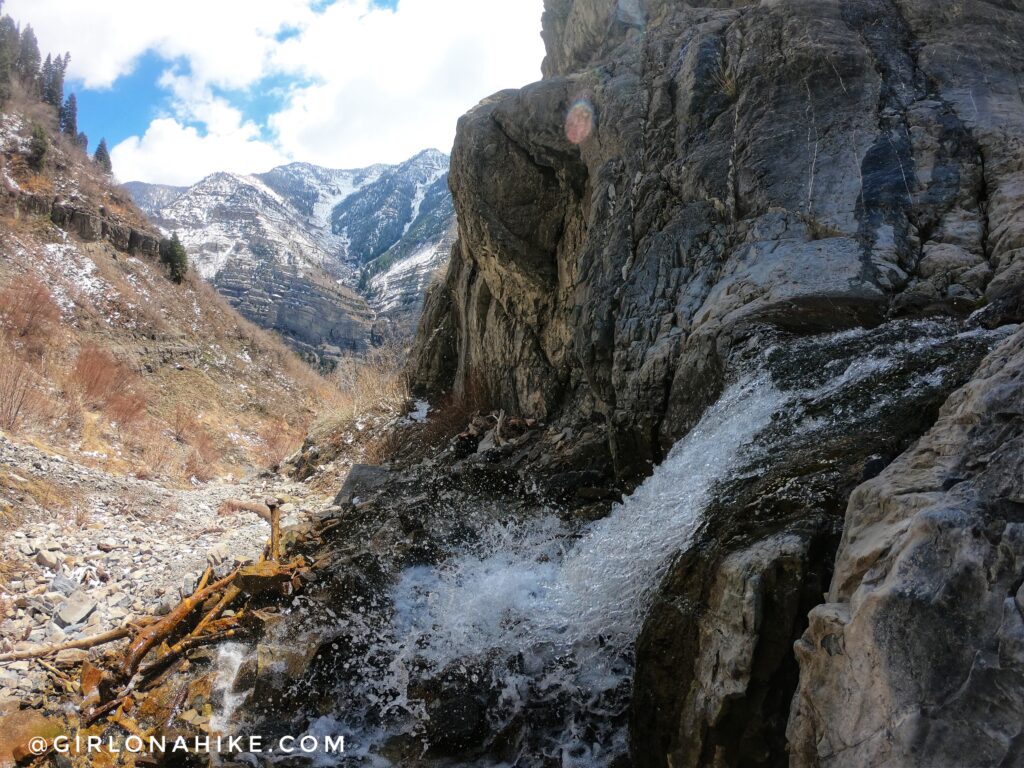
<point>753,169</point>
<point>363,482</point>
<point>456,705</point>
<point>715,669</point>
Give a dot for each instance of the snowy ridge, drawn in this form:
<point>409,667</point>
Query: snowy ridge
<point>382,230</point>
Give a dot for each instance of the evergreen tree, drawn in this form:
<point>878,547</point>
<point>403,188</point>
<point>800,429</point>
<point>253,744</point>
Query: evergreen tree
<point>45,78</point>
<point>69,117</point>
<point>10,45</point>
<point>82,142</point>
<point>28,57</point>
<point>38,147</point>
<point>53,84</point>
<point>173,254</point>
<point>102,157</point>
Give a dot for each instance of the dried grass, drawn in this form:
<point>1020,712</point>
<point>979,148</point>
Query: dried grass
<point>126,409</point>
<point>278,441</point>
<point>373,383</point>
<point>445,420</point>
<point>725,79</point>
<point>197,467</point>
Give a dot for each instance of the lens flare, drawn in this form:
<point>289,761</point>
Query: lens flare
<point>630,12</point>
<point>579,122</point>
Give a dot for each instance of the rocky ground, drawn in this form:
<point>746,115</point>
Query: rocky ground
<point>125,547</point>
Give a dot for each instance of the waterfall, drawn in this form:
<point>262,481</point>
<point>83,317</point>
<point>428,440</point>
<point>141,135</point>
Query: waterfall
<point>532,624</point>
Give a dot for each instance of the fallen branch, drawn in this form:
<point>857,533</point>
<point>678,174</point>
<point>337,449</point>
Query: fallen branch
<point>237,505</point>
<point>42,651</point>
<point>157,632</point>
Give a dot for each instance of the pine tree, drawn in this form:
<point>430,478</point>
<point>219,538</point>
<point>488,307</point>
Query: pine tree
<point>174,255</point>
<point>38,147</point>
<point>28,57</point>
<point>10,45</point>
<point>102,157</point>
<point>82,142</point>
<point>69,117</point>
<point>53,87</point>
<point>45,78</point>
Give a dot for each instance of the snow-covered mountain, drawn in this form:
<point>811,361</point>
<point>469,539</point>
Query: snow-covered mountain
<point>285,245</point>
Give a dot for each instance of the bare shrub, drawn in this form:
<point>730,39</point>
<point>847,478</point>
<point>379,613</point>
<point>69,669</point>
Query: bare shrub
<point>277,442</point>
<point>445,420</point>
<point>196,467</point>
<point>126,408</point>
<point>385,447</point>
<point>203,444</point>
<point>182,422</point>
<point>371,383</point>
<point>19,396</point>
<point>100,376</point>
<point>28,314</point>
<point>157,455</point>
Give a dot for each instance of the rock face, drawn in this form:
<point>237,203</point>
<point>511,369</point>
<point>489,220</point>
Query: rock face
<point>917,657</point>
<point>329,258</point>
<point>813,166</point>
<point>687,182</point>
<point>319,317</point>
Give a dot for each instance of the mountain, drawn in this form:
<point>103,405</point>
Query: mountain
<point>331,259</point>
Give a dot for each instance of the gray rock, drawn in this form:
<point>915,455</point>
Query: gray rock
<point>76,609</point>
<point>719,188</point>
<point>71,657</point>
<point>921,640</point>
<point>63,585</point>
<point>794,166</point>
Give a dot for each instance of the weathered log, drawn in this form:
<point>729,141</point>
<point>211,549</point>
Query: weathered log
<point>236,505</point>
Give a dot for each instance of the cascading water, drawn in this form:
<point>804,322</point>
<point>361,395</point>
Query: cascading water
<point>525,632</point>
<point>570,606</point>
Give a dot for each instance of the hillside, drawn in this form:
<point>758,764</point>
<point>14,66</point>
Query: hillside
<point>133,409</point>
<point>119,363</point>
<point>333,260</point>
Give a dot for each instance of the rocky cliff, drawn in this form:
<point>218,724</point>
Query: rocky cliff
<point>689,183</point>
<point>813,166</point>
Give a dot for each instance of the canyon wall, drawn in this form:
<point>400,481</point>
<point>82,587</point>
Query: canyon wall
<point>688,181</point>
<point>812,165</point>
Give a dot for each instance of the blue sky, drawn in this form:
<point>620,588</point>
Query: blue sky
<point>186,89</point>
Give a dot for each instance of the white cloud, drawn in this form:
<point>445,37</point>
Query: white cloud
<point>172,153</point>
<point>226,42</point>
<point>392,83</point>
<point>370,84</point>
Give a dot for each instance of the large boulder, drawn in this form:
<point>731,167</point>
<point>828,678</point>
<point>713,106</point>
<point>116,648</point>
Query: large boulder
<point>917,657</point>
